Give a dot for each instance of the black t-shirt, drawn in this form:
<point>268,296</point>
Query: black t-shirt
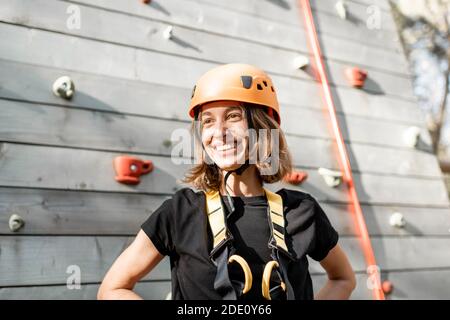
<point>179,229</point>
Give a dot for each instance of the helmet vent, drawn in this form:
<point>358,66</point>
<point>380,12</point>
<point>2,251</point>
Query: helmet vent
<point>265,83</point>
<point>259,87</point>
<point>271,87</point>
<point>246,81</point>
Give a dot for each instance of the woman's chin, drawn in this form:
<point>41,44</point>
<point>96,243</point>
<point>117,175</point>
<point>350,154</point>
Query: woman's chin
<point>229,165</point>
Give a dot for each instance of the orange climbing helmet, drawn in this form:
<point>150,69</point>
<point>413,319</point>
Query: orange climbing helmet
<point>238,82</point>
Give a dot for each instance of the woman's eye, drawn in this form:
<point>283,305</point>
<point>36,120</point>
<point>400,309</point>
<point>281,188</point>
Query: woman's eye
<point>234,116</point>
<point>207,121</point>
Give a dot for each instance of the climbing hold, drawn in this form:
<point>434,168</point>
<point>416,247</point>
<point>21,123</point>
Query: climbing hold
<point>411,136</point>
<point>341,9</point>
<point>332,178</point>
<point>129,169</point>
<point>146,1</point>
<point>397,220</point>
<point>387,286</point>
<point>16,222</point>
<point>64,87</point>
<point>356,76</point>
<point>296,177</point>
<point>301,62</point>
<point>168,33</point>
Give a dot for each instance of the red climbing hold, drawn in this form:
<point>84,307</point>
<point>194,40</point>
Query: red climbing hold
<point>129,169</point>
<point>387,286</point>
<point>296,177</point>
<point>356,76</point>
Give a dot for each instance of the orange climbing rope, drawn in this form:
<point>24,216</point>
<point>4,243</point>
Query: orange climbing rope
<point>342,152</point>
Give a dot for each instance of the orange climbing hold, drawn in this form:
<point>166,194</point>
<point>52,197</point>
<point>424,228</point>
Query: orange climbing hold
<point>356,76</point>
<point>129,169</point>
<point>387,286</point>
<point>296,177</point>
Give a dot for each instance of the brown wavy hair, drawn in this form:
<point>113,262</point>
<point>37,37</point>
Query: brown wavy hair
<point>208,177</point>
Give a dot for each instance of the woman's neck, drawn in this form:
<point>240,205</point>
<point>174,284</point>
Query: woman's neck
<point>247,184</point>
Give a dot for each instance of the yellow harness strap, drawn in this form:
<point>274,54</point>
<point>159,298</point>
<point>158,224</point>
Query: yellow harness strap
<point>216,218</point>
<point>276,218</point>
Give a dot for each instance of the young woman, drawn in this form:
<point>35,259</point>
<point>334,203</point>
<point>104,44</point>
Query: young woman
<point>234,239</point>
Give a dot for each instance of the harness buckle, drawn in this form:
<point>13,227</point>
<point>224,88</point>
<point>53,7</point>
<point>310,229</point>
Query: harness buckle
<point>267,274</point>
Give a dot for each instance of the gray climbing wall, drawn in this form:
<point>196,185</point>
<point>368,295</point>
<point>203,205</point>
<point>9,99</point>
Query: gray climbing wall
<point>133,87</point>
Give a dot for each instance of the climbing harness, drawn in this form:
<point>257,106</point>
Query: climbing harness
<point>222,246</point>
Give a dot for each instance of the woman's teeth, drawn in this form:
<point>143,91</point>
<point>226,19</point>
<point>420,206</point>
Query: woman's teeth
<point>225,147</point>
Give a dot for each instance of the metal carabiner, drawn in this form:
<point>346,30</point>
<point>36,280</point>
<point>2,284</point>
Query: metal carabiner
<point>268,269</point>
<point>247,272</point>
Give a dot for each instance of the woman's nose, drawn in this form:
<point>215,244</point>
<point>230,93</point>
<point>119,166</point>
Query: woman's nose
<point>220,129</point>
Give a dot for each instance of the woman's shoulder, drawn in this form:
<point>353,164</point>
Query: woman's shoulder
<point>300,208</point>
<point>187,199</point>
<point>292,198</point>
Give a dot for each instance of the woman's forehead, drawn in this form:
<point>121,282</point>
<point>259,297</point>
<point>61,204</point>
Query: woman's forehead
<point>220,106</point>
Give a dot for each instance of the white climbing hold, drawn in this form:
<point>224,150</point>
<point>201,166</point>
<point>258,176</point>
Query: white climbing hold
<point>411,136</point>
<point>168,33</point>
<point>397,220</point>
<point>341,9</point>
<point>16,222</point>
<point>332,178</point>
<point>64,87</point>
<point>301,62</point>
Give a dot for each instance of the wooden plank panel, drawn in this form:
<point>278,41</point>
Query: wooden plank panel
<point>376,189</point>
<point>130,63</point>
<point>211,19</point>
<point>358,102</point>
<point>383,4</point>
<point>95,213</point>
<point>110,94</point>
<point>374,159</point>
<point>34,166</point>
<point>213,16</point>
<point>149,290</point>
<point>361,292</point>
<point>107,131</point>
<point>76,213</point>
<point>138,32</point>
<point>408,285</point>
<point>358,20</point>
<point>34,260</point>
<point>152,66</point>
<point>377,82</point>
<point>31,166</point>
<point>315,153</point>
<point>44,260</point>
<point>419,221</point>
<point>94,91</point>
<point>423,285</point>
<point>315,123</point>
<point>396,253</point>
<point>381,133</point>
<point>61,126</point>
<point>83,128</point>
<point>357,8</point>
<point>285,11</point>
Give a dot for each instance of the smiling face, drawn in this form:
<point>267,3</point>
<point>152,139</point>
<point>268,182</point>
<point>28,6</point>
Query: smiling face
<point>224,133</point>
